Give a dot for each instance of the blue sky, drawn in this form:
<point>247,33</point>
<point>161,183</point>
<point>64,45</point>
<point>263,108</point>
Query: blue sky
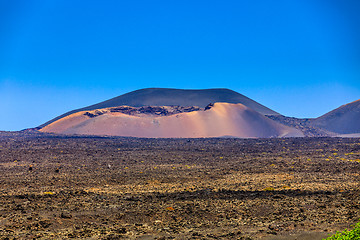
<point>300,58</point>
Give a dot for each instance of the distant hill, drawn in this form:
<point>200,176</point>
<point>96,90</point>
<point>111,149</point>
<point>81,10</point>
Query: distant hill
<point>175,97</point>
<point>218,120</point>
<point>343,120</point>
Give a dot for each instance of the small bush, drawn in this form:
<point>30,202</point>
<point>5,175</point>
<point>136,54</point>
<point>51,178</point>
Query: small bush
<point>346,234</point>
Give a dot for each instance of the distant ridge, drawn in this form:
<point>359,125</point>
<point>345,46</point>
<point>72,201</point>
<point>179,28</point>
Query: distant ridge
<point>342,120</point>
<point>174,97</point>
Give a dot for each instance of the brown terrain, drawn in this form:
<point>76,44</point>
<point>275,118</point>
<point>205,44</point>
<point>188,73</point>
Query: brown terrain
<point>85,187</point>
<point>215,120</point>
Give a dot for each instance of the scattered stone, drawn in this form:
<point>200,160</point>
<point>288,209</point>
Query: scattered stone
<point>65,215</point>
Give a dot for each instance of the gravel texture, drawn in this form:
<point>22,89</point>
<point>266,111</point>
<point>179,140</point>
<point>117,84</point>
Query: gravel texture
<point>59,187</point>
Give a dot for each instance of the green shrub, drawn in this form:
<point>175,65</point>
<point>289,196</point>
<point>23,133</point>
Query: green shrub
<point>346,234</point>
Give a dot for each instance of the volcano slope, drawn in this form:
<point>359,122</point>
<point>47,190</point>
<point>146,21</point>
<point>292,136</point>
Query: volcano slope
<point>174,97</point>
<point>343,120</point>
<point>59,187</point>
<point>218,120</point>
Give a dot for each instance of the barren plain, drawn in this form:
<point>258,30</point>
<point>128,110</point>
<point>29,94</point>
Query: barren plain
<point>84,187</point>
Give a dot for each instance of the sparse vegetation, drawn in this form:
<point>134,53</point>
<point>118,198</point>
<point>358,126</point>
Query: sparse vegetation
<point>353,234</point>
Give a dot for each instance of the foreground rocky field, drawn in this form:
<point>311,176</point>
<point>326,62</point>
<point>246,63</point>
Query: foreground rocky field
<point>58,187</point>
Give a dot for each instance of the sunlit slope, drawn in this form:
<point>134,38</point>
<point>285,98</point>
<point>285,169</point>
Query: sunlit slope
<point>174,97</point>
<point>223,119</point>
<point>343,120</point>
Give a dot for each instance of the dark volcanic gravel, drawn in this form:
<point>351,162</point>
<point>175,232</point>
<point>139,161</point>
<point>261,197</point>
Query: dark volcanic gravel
<point>62,187</point>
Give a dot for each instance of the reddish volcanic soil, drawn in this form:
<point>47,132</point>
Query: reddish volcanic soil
<point>222,119</point>
<point>58,187</point>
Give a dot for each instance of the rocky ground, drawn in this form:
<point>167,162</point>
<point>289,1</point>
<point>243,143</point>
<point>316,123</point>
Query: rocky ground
<point>306,125</point>
<point>146,110</point>
<point>58,187</point>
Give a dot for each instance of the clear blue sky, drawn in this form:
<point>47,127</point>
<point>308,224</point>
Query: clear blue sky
<point>300,57</point>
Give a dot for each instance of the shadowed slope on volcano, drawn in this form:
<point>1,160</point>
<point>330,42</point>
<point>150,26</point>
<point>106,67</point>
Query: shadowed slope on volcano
<point>343,120</point>
<point>223,119</point>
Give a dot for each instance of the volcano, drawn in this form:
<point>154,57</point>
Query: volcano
<point>174,97</point>
<point>173,113</point>
<point>217,120</point>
